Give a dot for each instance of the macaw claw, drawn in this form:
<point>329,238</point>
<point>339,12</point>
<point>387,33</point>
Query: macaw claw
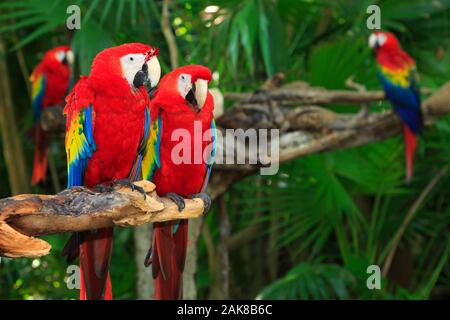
<point>148,258</point>
<point>128,183</point>
<point>206,200</point>
<point>101,188</point>
<point>179,200</point>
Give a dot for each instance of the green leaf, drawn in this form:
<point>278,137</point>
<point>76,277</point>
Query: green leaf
<point>264,39</point>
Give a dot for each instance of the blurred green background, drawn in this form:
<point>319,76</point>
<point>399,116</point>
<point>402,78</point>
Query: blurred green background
<point>309,232</point>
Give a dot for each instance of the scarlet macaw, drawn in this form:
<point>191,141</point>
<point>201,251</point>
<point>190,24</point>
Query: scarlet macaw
<point>183,104</point>
<point>50,84</point>
<point>398,75</point>
<point>106,130</point>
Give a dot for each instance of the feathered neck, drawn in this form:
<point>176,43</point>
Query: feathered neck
<point>394,59</point>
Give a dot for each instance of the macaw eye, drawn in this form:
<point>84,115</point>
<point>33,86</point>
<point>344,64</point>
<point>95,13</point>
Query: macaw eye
<point>131,58</point>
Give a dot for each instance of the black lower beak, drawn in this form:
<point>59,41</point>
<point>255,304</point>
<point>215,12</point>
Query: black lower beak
<point>190,98</point>
<point>65,61</point>
<point>140,79</point>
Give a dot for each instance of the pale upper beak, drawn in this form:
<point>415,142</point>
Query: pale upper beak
<point>154,71</point>
<point>196,96</point>
<point>201,91</point>
<point>70,57</point>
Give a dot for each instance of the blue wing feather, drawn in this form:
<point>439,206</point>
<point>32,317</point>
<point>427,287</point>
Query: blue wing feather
<point>405,100</point>
<point>38,91</point>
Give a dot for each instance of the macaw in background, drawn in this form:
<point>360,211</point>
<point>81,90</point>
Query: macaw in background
<point>182,105</point>
<point>398,74</point>
<point>106,130</point>
<point>49,86</point>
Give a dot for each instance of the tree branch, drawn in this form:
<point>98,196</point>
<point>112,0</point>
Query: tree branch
<point>80,209</point>
<point>311,129</point>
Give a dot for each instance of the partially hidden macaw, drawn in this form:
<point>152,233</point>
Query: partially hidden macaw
<point>106,132</point>
<point>398,74</point>
<point>50,82</point>
<point>178,160</point>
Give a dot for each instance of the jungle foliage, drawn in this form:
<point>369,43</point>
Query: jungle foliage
<point>317,224</point>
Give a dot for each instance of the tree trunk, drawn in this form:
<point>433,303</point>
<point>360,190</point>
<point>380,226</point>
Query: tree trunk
<point>224,256</point>
<point>144,280</point>
<point>190,268</point>
<point>12,146</point>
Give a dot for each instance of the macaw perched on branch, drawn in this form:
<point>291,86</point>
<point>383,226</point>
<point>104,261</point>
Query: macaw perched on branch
<point>178,160</point>
<point>398,75</point>
<point>106,130</point>
<point>50,84</point>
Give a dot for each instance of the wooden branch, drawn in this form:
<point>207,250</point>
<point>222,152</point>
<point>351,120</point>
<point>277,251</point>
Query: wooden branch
<point>312,129</point>
<point>53,120</point>
<point>308,95</point>
<point>80,209</point>
<point>301,93</point>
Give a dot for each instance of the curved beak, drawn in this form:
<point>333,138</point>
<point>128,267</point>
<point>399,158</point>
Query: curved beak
<point>154,73</point>
<point>201,91</point>
<point>148,75</point>
<point>141,77</point>
<point>196,97</point>
<point>69,57</point>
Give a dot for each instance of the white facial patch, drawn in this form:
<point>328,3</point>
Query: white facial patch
<point>131,64</point>
<point>381,39</point>
<point>59,55</point>
<point>377,39</point>
<point>372,40</point>
<point>154,71</point>
<point>184,84</point>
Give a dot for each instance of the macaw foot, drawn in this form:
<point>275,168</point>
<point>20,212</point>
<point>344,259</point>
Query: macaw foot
<point>74,189</point>
<point>101,188</point>
<point>128,183</point>
<point>206,200</point>
<point>175,197</point>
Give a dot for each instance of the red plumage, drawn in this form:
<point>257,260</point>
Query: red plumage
<point>40,159</point>
<point>169,247</point>
<point>398,75</point>
<point>118,128</point>
<point>410,149</point>
<point>390,54</point>
<point>54,74</point>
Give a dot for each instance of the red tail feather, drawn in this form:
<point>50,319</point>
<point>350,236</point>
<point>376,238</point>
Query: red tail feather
<point>410,149</point>
<point>169,255</point>
<point>40,156</point>
<point>95,255</point>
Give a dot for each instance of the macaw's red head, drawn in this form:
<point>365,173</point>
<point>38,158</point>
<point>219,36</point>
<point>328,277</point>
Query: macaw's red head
<point>60,56</point>
<point>185,89</point>
<point>129,66</point>
<point>382,41</point>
